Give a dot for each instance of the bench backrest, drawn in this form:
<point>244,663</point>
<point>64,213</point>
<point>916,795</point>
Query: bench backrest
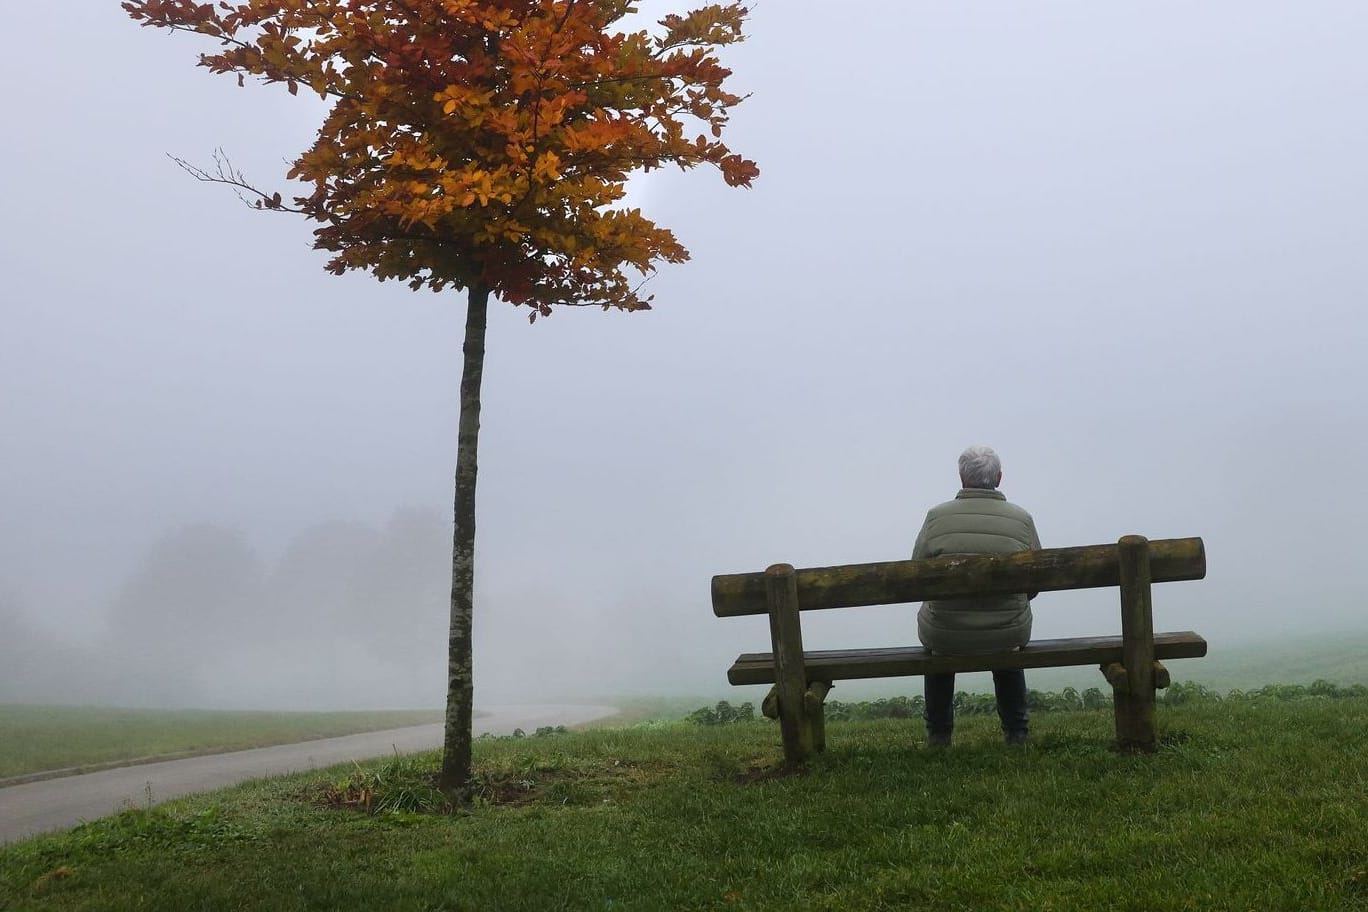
<point>894,582</point>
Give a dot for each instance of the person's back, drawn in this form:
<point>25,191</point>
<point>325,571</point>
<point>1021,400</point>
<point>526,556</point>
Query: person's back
<point>979,520</point>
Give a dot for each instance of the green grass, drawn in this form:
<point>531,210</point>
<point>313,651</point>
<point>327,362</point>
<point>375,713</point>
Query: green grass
<point>1249,805</point>
<point>34,738</point>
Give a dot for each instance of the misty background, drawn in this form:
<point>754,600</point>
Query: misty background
<point>1120,243</point>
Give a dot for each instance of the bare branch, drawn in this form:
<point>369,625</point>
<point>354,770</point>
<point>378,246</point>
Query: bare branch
<point>225,173</point>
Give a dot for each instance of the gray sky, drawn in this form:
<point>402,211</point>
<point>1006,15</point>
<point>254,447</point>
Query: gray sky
<point>1119,242</point>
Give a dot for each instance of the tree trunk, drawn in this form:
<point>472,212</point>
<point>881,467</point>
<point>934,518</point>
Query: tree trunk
<point>455,775</point>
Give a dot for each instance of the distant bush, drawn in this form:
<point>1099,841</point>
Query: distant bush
<point>889,708</point>
<point>1067,700</point>
<point>966,704</point>
<point>1316,690</point>
<point>722,714</point>
<point>1188,692</point>
<point>541,732</point>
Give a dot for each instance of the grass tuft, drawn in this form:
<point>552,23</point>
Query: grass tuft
<point>408,784</point>
<point>405,784</point>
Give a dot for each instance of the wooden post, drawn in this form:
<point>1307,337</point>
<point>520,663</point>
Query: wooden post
<point>786,634</point>
<point>816,713</point>
<point>1134,701</point>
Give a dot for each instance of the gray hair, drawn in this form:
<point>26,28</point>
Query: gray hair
<point>979,467</point>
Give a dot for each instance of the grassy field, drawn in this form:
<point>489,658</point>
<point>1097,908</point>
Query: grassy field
<point>1257,805</point>
<point>1293,660</point>
<point>36,738</point>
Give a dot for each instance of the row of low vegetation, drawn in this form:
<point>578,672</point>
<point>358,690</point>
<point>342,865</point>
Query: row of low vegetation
<point>1069,699</point>
<point>672,815</point>
<point>541,732</point>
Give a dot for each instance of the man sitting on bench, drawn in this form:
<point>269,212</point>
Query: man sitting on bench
<point>978,521</point>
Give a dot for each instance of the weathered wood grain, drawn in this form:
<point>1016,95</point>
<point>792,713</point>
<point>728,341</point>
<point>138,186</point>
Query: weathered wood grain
<point>815,698</point>
<point>894,582</point>
<point>1134,702</point>
<point>854,664</point>
<point>1162,678</point>
<point>1115,673</point>
<point>786,638</point>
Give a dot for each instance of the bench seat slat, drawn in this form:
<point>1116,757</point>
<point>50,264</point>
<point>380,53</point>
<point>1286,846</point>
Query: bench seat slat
<point>851,664</point>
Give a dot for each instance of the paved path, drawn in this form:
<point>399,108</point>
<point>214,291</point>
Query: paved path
<point>39,807</point>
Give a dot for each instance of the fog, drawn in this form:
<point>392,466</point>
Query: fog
<point>1121,243</point>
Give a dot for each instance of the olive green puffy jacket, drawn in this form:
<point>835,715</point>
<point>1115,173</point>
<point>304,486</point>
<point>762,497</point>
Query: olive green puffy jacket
<point>977,521</point>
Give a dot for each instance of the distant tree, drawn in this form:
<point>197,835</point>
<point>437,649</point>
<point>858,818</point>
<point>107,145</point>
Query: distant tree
<point>402,579</point>
<point>481,145</point>
<point>23,650</point>
<point>310,587</point>
<point>378,585</point>
<point>198,586</point>
<point>42,664</point>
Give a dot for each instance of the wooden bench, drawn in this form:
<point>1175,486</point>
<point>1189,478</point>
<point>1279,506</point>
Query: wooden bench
<point>1130,662</point>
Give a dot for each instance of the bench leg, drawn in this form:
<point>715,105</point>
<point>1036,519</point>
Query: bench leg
<point>815,700</point>
<point>1135,731</point>
<point>790,677</point>
<point>816,713</point>
<point>1133,692</point>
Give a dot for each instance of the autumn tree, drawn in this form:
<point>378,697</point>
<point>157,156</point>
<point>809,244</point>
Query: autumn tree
<point>481,146</point>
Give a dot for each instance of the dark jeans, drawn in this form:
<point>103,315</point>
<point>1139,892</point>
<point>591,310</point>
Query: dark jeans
<point>1008,686</point>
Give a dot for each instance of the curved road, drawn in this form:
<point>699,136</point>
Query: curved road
<point>54,804</point>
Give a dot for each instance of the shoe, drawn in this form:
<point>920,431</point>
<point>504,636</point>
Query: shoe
<point>938,741</point>
<point>1016,737</point>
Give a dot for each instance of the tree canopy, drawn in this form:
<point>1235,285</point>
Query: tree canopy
<point>484,142</point>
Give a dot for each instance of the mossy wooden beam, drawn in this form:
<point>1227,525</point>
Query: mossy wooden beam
<point>894,582</point>
<point>856,664</point>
